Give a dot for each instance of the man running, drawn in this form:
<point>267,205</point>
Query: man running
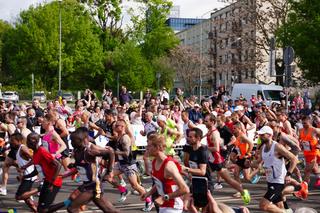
<point>168,182</point>
<point>272,154</point>
<point>216,160</point>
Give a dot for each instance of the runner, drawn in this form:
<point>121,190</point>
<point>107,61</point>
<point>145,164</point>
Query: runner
<point>168,181</point>
<point>272,154</point>
<point>216,160</point>
<point>308,137</point>
<point>23,156</point>
<point>126,164</point>
<point>50,168</point>
<point>86,161</point>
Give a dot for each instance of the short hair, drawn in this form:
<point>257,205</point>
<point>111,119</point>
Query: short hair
<point>157,140</point>
<point>197,131</point>
<point>17,136</point>
<point>33,138</point>
<point>78,136</point>
<point>211,117</point>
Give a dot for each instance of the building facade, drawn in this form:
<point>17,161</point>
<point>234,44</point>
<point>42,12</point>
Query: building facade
<point>230,40</point>
<point>180,24</point>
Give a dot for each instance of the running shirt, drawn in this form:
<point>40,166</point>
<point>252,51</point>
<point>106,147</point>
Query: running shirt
<point>242,148</point>
<point>214,157</point>
<point>43,158</point>
<point>125,160</point>
<point>166,186</point>
<point>52,145</point>
<point>308,141</point>
<point>21,162</point>
<point>197,157</point>
<point>274,167</point>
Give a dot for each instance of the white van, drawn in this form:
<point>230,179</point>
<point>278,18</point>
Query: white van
<point>269,93</point>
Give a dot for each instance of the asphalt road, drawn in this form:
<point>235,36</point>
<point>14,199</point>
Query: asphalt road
<point>133,203</point>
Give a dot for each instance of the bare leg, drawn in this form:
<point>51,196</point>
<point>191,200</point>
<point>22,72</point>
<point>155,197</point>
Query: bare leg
<point>233,183</point>
<point>105,205</point>
<point>135,185</point>
<point>268,206</point>
<point>83,198</point>
<point>5,171</point>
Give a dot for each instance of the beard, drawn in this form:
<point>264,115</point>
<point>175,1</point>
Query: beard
<point>264,140</point>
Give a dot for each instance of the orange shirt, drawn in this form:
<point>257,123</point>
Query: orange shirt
<point>242,147</point>
<point>308,141</point>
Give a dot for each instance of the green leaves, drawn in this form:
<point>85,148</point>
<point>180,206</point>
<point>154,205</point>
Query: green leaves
<point>302,32</point>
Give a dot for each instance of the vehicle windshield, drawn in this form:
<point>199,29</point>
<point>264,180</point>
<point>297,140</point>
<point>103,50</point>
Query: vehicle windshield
<point>272,95</point>
<point>38,94</point>
<point>8,93</point>
<point>67,94</point>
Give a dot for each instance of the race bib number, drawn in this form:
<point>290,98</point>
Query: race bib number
<point>193,165</point>
<point>306,146</point>
<point>159,186</point>
<point>211,158</point>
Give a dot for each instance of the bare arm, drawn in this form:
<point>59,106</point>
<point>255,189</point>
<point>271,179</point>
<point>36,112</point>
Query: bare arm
<point>248,141</point>
<point>61,143</point>
<point>58,166</point>
<point>175,133</point>
<point>201,171</point>
<point>282,151</point>
<point>99,151</point>
<point>125,145</point>
<point>288,128</point>
<point>248,121</point>
<point>215,137</point>
<point>290,140</point>
<point>172,171</point>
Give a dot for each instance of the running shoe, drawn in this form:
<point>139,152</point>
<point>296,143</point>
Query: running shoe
<point>304,190</point>
<point>148,207</point>
<point>123,196</point>
<point>298,194</point>
<point>3,192</point>
<point>246,197</point>
<point>255,179</point>
<point>317,184</point>
<point>217,186</point>
<point>123,183</point>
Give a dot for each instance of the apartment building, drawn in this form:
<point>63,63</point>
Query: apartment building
<point>230,41</point>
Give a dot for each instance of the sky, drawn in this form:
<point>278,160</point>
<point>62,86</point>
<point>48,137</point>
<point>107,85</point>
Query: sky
<point>9,9</point>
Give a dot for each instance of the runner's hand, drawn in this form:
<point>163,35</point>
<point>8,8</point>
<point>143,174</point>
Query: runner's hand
<point>159,201</point>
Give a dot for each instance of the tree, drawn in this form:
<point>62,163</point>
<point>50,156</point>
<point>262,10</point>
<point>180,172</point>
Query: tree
<point>301,31</point>
<point>134,70</point>
<point>187,65</point>
<point>150,31</point>
<point>32,46</point>
<point>4,27</point>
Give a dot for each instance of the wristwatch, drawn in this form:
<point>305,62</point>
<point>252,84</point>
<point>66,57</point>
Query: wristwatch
<point>166,197</point>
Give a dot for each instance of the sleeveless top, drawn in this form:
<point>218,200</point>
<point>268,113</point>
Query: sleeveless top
<point>169,143</point>
<point>21,162</point>
<point>275,168</point>
<point>53,146</point>
<point>308,141</point>
<point>214,157</point>
<point>88,171</point>
<point>166,186</point>
<point>241,147</point>
<point>125,160</point>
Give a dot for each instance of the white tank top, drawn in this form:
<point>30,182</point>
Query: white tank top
<point>21,162</point>
<point>275,168</point>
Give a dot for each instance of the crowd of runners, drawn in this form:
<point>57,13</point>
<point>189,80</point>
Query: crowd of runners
<point>238,140</point>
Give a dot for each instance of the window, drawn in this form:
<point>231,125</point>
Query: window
<point>247,74</point>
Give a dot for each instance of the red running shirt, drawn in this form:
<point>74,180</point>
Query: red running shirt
<point>166,186</point>
<point>43,158</point>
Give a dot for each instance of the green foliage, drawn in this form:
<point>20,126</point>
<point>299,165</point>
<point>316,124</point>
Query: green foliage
<point>134,70</point>
<point>4,27</point>
<point>302,31</point>
<point>33,46</point>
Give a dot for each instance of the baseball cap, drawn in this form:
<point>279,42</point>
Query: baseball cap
<point>238,108</point>
<point>162,118</point>
<point>265,130</point>
<point>197,105</point>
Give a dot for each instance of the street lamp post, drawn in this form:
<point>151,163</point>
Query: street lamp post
<point>59,92</point>
<point>158,75</point>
